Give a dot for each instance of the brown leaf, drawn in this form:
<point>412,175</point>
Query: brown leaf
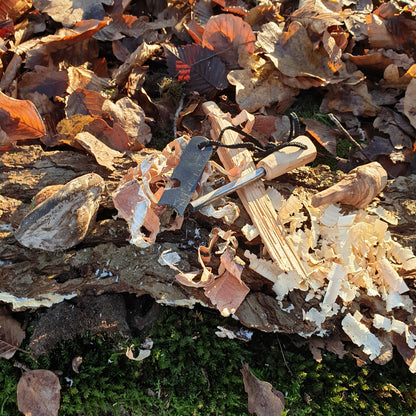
<point>409,102</point>
<point>20,119</point>
<point>11,334</point>
<point>259,86</point>
<point>66,45</point>
<point>43,80</point>
<point>38,393</point>
<point>394,125</point>
<point>344,98</point>
<point>227,36</point>
<point>76,362</point>
<point>114,137</point>
<point>131,118</point>
<point>295,56</point>
<point>64,219</point>
<point>85,102</point>
<point>82,78</point>
<point>102,153</point>
<point>70,12</point>
<point>263,398</point>
<point>323,134</point>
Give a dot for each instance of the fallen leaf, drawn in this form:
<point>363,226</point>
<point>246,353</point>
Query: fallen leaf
<point>38,393</point>
<point>70,12</point>
<point>263,398</point>
<point>141,54</point>
<point>294,56</point>
<point>199,67</point>
<point>228,35</point>
<point>141,356</point>
<point>102,153</point>
<point>73,46</point>
<point>323,134</point>
<point>20,119</point>
<point>349,98</point>
<point>44,80</point>
<point>409,102</point>
<point>131,118</point>
<point>114,137</point>
<point>76,362</point>
<point>13,9</point>
<point>261,89</point>
<point>84,102</point>
<point>233,6</point>
<point>83,78</point>
<point>11,334</point>
<point>127,25</point>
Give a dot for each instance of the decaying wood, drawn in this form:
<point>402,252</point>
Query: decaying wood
<point>105,262</point>
<point>254,196</point>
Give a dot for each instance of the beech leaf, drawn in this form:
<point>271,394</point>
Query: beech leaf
<point>20,119</point>
<point>228,35</point>
<point>263,398</point>
<point>199,67</point>
<point>38,393</point>
<point>69,12</point>
<point>11,334</point>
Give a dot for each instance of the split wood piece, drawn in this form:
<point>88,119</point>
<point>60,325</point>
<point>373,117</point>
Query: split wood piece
<point>254,196</point>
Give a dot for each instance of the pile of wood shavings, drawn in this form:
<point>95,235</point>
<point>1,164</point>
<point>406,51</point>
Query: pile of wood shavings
<point>347,255</point>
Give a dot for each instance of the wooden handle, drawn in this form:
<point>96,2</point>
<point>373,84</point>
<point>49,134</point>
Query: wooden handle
<point>288,158</point>
<point>254,196</point>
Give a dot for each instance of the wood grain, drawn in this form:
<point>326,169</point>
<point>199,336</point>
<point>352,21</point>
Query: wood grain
<point>254,196</point>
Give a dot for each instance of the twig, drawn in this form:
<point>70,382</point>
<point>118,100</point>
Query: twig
<point>348,136</point>
<point>283,355</point>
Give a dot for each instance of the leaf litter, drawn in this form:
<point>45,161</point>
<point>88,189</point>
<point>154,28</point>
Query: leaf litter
<point>356,57</point>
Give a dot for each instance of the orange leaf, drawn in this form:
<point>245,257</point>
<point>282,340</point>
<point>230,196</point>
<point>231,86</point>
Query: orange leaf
<point>20,119</point>
<point>227,35</point>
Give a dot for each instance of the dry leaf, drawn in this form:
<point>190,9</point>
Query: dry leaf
<point>228,36</point>
<point>409,102</point>
<point>102,153</point>
<point>85,102</point>
<point>11,334</point>
<point>199,67</point>
<point>294,55</point>
<point>114,137</point>
<point>263,398</point>
<point>76,362</point>
<point>38,393</point>
<point>254,91</point>
<point>131,118</point>
<point>70,12</point>
<point>43,80</point>
<point>14,8</point>
<point>20,119</point>
<point>83,78</point>
<point>323,134</point>
<point>72,46</point>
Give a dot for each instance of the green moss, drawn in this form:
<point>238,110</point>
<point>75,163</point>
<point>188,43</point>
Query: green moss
<point>193,372</point>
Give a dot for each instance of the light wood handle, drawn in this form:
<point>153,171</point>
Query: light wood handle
<point>288,158</point>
